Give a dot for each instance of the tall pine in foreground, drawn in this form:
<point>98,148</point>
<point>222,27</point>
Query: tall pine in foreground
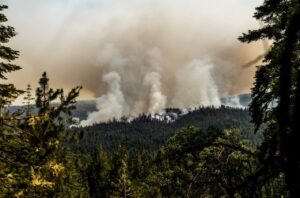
<point>8,92</point>
<point>276,92</point>
<point>33,160</point>
<point>54,170</point>
<point>11,143</point>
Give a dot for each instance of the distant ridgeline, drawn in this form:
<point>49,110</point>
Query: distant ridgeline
<point>240,101</point>
<point>83,107</point>
<point>154,131</point>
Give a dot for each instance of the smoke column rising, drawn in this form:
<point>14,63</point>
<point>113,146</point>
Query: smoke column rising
<point>157,101</point>
<point>136,84</point>
<point>137,56</point>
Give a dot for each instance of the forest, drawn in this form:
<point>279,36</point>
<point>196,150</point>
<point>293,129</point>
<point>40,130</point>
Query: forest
<point>207,152</point>
<point>154,133</point>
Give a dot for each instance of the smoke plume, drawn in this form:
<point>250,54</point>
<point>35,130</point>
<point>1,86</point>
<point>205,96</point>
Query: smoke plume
<point>157,101</point>
<point>112,104</point>
<point>136,56</point>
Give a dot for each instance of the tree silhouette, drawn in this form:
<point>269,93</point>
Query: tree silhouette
<point>8,92</point>
<point>276,82</point>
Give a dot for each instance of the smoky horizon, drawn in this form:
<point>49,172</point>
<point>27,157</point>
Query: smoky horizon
<point>136,56</point>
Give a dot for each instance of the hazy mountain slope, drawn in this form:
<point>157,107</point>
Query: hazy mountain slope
<point>240,101</point>
<point>154,133</point>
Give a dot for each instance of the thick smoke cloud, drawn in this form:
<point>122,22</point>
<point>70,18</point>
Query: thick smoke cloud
<point>157,101</point>
<point>196,85</point>
<point>112,104</point>
<point>137,56</point>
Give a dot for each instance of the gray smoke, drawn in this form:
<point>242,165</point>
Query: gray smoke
<point>112,104</point>
<point>196,85</point>
<point>157,101</point>
<point>138,83</point>
<point>233,101</point>
<point>136,56</point>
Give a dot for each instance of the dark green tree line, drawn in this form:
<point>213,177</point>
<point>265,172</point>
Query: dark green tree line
<point>38,157</point>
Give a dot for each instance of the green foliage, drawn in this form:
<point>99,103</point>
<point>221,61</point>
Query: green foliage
<point>202,154</point>
<point>8,92</point>
<point>27,101</point>
<point>12,147</point>
<point>275,15</point>
<point>276,92</point>
<point>34,162</point>
<point>99,174</point>
<point>120,184</point>
<point>53,172</point>
<point>154,133</point>
<point>193,163</point>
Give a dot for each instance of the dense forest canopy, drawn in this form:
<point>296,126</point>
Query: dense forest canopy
<point>154,132</point>
<point>208,152</point>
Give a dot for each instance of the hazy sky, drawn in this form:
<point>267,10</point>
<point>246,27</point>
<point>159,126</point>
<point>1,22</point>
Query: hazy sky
<point>65,38</point>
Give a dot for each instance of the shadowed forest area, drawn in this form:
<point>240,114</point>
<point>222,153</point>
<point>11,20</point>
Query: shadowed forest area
<point>207,152</point>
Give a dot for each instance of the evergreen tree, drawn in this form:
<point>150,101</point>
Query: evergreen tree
<point>39,165</point>
<point>179,158</point>
<point>52,169</point>
<point>45,95</point>
<point>276,92</point>
<point>27,101</point>
<point>99,174</point>
<point>33,160</point>
<point>12,147</point>
<point>120,183</point>
<point>8,92</point>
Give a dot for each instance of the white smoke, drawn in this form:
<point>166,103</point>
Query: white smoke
<point>157,101</point>
<point>136,56</point>
<point>110,105</point>
<point>138,83</point>
<point>196,86</point>
<point>233,101</point>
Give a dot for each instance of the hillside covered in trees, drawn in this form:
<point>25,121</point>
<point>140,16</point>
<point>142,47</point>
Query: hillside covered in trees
<point>208,152</point>
<point>153,132</point>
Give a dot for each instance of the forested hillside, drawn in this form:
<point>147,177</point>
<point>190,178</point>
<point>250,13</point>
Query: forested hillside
<point>207,152</point>
<point>83,107</point>
<point>153,132</point>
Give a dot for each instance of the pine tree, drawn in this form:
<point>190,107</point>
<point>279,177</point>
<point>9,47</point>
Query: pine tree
<point>99,174</point>
<point>45,95</point>
<point>278,81</point>
<point>120,181</point>
<point>27,101</point>
<point>52,169</point>
<point>8,92</point>
<point>12,147</point>
<point>33,161</point>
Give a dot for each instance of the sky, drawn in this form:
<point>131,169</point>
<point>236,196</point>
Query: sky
<point>173,44</point>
